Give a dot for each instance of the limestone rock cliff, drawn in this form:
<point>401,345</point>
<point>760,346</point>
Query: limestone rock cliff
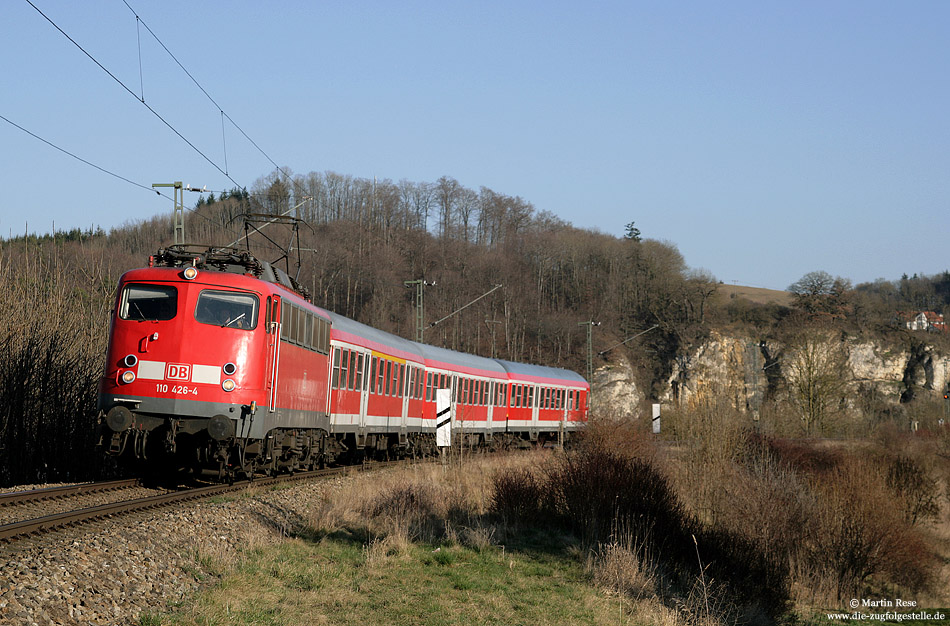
<point>749,370</point>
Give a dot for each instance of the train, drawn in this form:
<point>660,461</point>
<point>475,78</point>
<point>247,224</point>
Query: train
<point>220,363</point>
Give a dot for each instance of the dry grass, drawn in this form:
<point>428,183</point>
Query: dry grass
<point>758,295</point>
<point>421,546</point>
<point>426,503</point>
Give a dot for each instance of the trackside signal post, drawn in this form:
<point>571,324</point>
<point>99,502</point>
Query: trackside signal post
<point>420,313</point>
<point>590,348</point>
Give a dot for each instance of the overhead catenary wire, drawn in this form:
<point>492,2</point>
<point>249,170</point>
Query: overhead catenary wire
<point>132,93</point>
<point>99,167</point>
<point>141,99</point>
<point>224,115</point>
<point>79,158</point>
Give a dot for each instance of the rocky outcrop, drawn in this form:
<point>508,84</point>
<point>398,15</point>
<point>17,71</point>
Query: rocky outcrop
<point>615,390</point>
<point>748,370</point>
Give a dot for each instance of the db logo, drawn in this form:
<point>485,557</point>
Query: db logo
<point>178,371</point>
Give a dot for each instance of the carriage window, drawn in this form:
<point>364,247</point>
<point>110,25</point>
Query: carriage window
<point>372,375</point>
<point>358,386</point>
<point>229,309</point>
<point>344,366</point>
<point>336,368</point>
<point>148,302</point>
<point>351,383</point>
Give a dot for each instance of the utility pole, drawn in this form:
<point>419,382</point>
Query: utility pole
<point>590,347</point>
<point>179,207</point>
<point>420,313</point>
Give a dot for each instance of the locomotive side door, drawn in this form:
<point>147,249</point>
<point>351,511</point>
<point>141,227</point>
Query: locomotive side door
<point>273,351</point>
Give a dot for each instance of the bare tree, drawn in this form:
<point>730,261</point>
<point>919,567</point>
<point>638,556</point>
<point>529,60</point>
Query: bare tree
<point>820,293</point>
<point>815,369</point>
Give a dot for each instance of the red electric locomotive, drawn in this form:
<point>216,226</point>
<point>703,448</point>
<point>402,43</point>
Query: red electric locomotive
<point>217,361</point>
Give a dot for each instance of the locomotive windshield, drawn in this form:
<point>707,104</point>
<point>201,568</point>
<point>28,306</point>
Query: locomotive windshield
<point>227,309</point>
<point>148,302</point>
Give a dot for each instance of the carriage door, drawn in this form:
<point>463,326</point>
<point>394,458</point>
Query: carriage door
<point>406,390</point>
<point>272,319</point>
<point>492,398</point>
<point>535,406</point>
<point>362,377</point>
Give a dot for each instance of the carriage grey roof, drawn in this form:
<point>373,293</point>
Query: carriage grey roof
<point>444,355</point>
<point>541,371</point>
<point>345,324</point>
<point>424,351</point>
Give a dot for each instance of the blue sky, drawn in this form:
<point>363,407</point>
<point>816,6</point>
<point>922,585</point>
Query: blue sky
<point>764,139</point>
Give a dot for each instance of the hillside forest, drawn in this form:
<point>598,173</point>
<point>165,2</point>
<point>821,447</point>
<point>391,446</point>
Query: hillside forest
<point>360,240</point>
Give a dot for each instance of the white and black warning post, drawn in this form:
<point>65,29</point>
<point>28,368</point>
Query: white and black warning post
<point>443,420</point>
<point>656,419</point>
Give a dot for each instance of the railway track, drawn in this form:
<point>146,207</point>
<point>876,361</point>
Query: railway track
<point>30,514</point>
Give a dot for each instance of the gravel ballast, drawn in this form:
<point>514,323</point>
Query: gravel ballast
<point>113,572</point>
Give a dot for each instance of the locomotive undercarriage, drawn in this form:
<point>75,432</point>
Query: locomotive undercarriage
<point>209,446</point>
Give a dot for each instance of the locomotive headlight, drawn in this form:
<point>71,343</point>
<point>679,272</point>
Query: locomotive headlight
<point>130,360</point>
<point>229,369</point>
<point>228,384</point>
<point>190,273</point>
<point>128,376</point>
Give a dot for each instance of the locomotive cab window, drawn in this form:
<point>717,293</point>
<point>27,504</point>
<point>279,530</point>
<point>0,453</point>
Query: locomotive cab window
<point>227,309</point>
<point>148,303</point>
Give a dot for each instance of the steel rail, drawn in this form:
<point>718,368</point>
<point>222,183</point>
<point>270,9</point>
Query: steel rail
<point>15,498</point>
<point>10,533</point>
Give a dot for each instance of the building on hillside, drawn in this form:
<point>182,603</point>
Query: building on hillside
<point>923,320</point>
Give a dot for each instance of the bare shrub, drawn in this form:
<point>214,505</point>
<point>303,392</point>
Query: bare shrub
<point>856,533</point>
<point>599,492</point>
<point>712,434</point>
<point>518,496</point>
<point>916,491</point>
<point>414,509</point>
